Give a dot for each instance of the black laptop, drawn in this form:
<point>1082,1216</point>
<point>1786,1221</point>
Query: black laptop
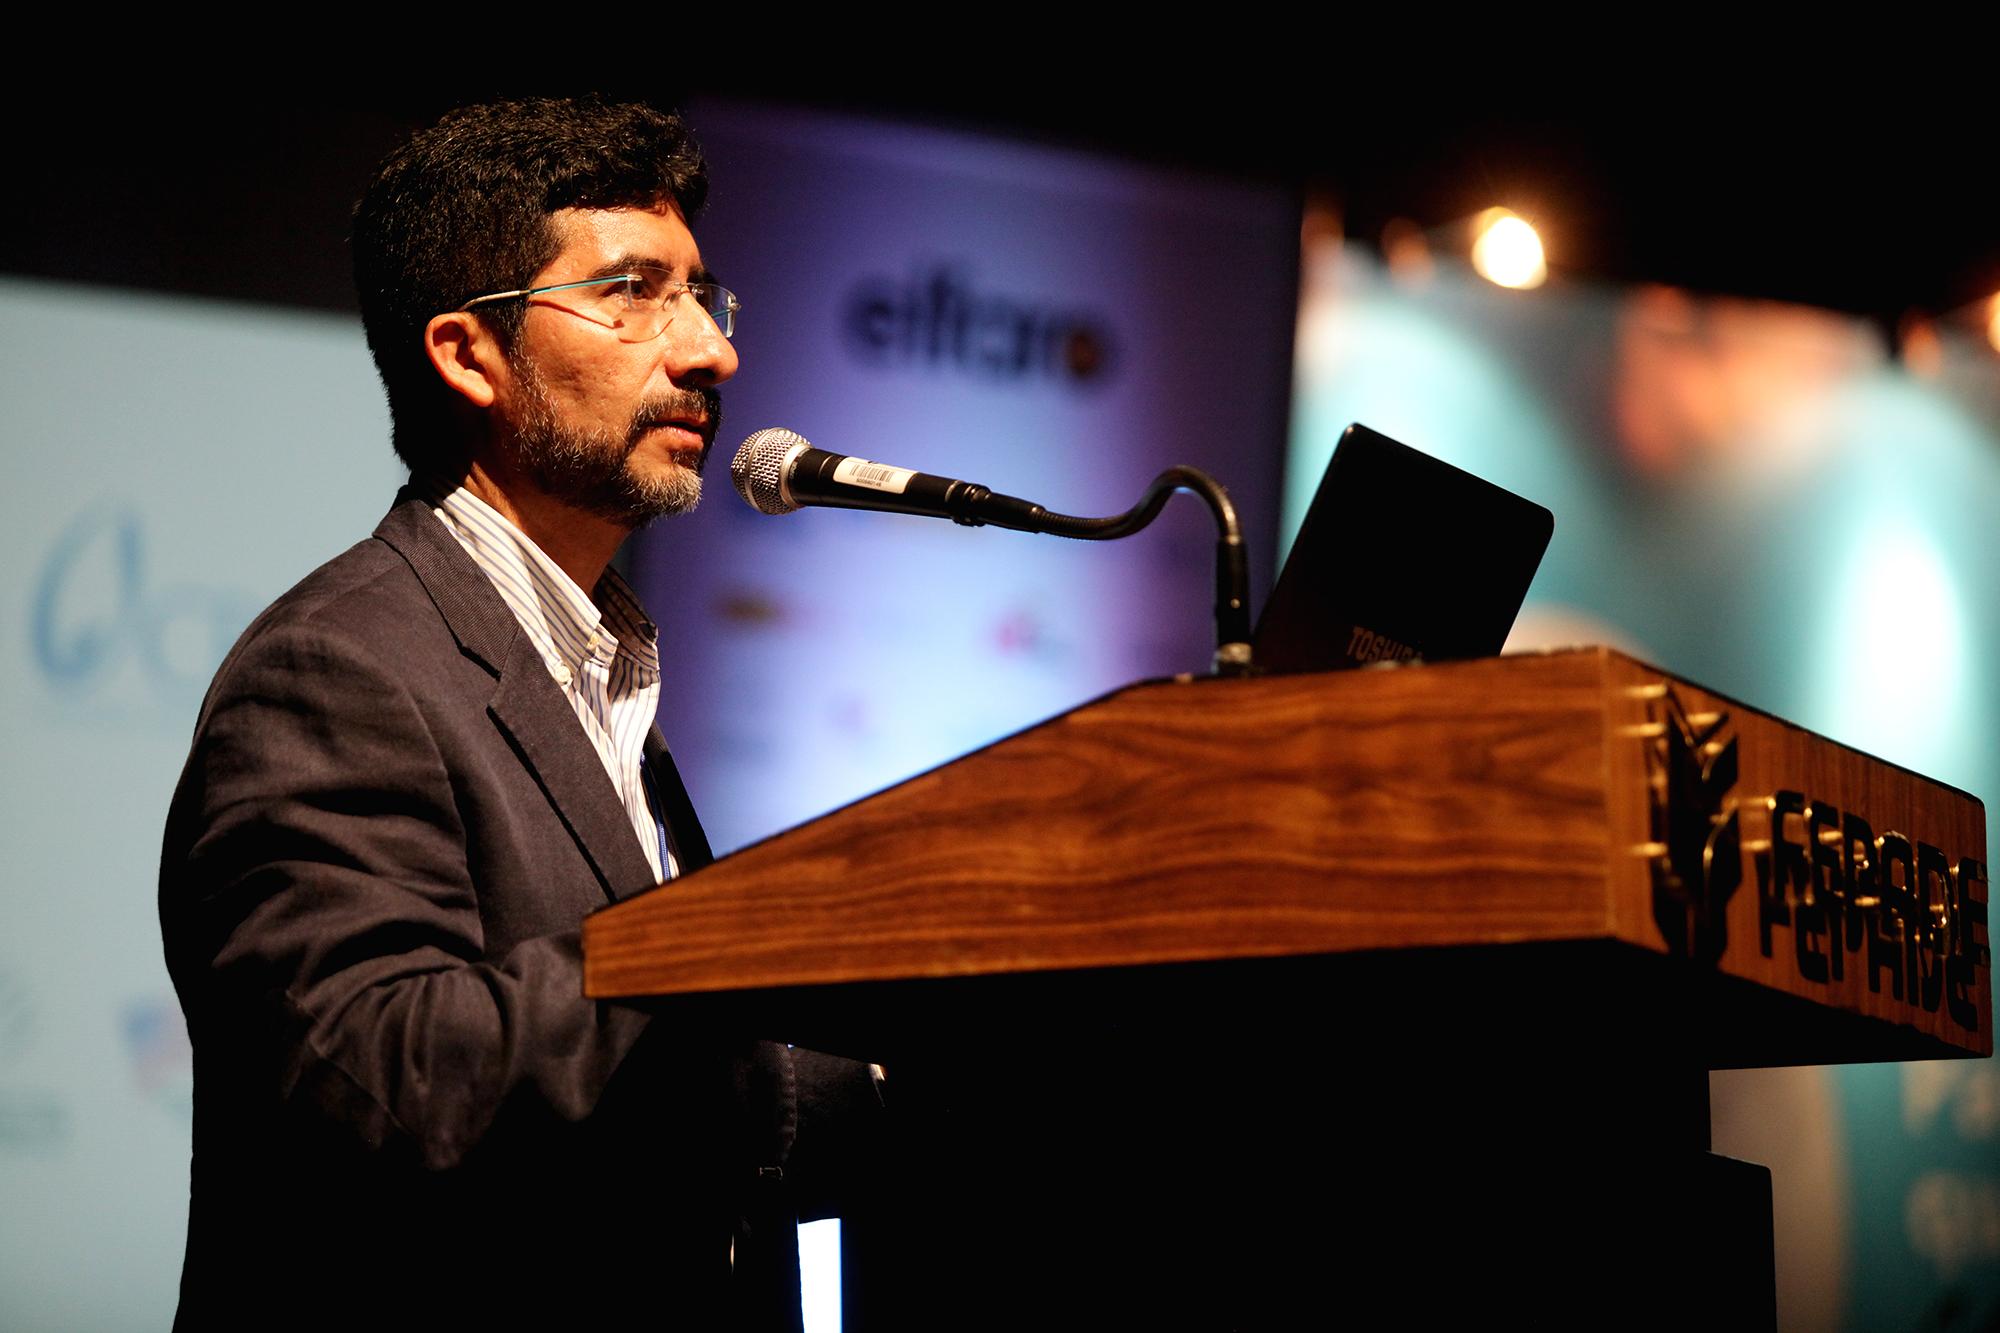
<point>1401,556</point>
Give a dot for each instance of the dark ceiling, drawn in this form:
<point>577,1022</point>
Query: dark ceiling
<point>1855,196</point>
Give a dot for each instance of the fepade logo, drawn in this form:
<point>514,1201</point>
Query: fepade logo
<point>937,319</point>
<point>1832,893</point>
<point>1697,843</point>
<point>1894,906</point>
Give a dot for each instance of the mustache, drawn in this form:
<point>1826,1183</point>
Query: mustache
<point>679,405</point>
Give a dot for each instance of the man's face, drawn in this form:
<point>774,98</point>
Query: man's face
<point>617,429</point>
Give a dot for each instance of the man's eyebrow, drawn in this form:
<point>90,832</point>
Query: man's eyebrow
<point>624,263</point>
<point>627,263</point>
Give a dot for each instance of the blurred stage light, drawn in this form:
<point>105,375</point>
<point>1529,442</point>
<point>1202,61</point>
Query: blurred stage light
<point>1506,250</point>
<point>1993,322</point>
<point>1899,696</point>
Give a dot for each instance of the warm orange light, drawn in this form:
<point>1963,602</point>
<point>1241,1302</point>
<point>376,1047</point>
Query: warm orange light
<point>1507,251</point>
<point>1923,349</point>
<point>1407,253</point>
<point>1993,322</point>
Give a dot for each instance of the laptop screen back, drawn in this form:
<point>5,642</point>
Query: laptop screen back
<point>1400,556</point>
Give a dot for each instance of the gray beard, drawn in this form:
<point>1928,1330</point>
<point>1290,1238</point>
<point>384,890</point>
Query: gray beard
<point>592,470</point>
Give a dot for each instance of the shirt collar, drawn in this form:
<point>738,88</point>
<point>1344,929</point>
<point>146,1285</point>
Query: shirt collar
<point>567,625</point>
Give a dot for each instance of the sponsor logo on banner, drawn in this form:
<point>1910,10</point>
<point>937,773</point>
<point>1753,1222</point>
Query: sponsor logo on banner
<point>33,1120</point>
<point>103,629</point>
<point>156,1042</point>
<point>938,318</point>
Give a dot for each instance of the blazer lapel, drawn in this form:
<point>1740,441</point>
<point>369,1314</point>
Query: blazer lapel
<point>531,709</point>
<point>527,705</point>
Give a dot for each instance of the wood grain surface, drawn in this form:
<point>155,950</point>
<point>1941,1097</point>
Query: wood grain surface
<point>1488,803</point>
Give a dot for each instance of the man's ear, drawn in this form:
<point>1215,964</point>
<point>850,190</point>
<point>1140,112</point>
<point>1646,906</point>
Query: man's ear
<point>465,355</point>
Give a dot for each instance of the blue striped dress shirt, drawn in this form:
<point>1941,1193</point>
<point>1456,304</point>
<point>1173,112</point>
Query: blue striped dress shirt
<point>604,653</point>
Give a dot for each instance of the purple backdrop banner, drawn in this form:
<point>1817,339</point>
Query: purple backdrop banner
<point>1050,325</point>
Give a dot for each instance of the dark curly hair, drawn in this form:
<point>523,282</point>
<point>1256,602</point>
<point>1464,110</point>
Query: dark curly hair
<point>463,209</point>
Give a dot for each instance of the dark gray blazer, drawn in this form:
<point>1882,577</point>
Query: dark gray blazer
<point>388,831</point>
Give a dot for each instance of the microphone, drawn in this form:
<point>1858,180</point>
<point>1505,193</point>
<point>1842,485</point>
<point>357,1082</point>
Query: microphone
<point>777,471</point>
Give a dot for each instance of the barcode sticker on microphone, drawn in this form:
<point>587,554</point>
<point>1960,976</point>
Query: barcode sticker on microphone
<point>875,476</point>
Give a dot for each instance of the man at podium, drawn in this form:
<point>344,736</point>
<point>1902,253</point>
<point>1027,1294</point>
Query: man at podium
<point>420,769</point>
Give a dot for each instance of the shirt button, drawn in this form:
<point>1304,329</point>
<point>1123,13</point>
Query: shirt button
<point>562,674</point>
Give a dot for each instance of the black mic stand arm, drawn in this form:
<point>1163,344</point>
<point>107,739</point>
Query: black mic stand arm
<point>1232,564</point>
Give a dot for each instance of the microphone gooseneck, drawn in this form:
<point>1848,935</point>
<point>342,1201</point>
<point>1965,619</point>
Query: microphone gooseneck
<point>777,471</point>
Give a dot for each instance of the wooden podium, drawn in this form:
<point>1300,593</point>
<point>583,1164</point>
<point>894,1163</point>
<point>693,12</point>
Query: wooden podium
<point>1258,1003</point>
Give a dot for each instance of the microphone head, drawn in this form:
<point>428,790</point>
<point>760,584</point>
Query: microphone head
<point>760,465</point>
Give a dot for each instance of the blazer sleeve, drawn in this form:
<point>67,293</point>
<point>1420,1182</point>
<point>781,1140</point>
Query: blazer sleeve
<point>323,926</point>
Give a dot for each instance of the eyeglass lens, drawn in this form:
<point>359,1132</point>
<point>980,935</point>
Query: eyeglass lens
<point>650,300</point>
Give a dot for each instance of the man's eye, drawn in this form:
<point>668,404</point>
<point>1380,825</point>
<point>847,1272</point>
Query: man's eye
<point>647,289</point>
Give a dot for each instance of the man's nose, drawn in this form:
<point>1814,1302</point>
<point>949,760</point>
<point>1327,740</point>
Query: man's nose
<point>697,354</point>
